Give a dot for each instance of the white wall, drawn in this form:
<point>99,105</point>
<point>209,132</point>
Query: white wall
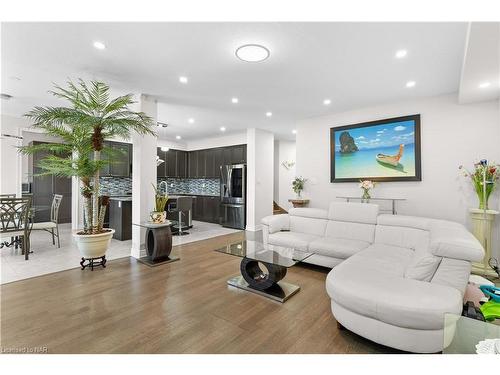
<point>452,135</point>
<point>217,141</point>
<point>10,159</point>
<point>276,172</point>
<point>260,181</point>
<point>287,152</point>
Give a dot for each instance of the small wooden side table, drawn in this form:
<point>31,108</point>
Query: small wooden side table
<point>158,244</point>
<point>299,202</point>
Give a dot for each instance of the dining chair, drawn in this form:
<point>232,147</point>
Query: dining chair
<point>15,223</point>
<point>52,226</point>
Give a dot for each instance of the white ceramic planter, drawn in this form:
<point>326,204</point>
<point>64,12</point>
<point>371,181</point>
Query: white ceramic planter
<point>93,245</point>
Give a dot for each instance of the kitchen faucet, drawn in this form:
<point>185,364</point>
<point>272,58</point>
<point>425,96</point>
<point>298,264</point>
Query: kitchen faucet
<point>163,182</point>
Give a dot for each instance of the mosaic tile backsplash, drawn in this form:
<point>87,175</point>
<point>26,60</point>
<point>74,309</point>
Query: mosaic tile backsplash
<point>196,186</point>
<point>115,185</point>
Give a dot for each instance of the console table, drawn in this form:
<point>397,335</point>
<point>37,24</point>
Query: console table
<point>299,202</point>
<point>363,200</point>
<point>158,244</point>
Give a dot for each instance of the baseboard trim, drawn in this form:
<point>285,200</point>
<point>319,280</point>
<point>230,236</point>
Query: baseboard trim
<point>253,228</point>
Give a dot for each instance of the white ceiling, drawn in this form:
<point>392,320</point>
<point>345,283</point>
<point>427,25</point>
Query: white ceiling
<point>353,64</point>
<point>481,63</point>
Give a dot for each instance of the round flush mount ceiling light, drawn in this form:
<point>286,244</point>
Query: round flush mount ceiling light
<point>269,114</point>
<point>401,53</point>
<point>222,129</point>
<point>294,131</point>
<point>410,84</point>
<point>191,120</point>
<point>178,137</point>
<point>183,79</point>
<point>484,85</point>
<point>252,53</point>
<point>327,102</point>
<point>99,45</point>
<point>234,100</point>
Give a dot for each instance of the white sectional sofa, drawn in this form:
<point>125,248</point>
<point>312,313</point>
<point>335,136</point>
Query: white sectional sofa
<point>393,278</point>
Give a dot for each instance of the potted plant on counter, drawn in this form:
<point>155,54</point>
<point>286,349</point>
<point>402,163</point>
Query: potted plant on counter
<point>159,215</point>
<point>82,127</point>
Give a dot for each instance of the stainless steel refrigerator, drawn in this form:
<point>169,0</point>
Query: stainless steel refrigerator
<point>233,195</point>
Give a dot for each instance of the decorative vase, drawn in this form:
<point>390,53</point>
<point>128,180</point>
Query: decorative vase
<point>483,204</point>
<point>298,195</point>
<point>366,194</point>
<point>158,217</point>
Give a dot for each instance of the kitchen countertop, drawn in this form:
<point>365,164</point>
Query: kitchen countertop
<point>122,199</point>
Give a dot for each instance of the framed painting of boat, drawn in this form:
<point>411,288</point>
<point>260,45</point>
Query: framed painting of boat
<point>383,150</point>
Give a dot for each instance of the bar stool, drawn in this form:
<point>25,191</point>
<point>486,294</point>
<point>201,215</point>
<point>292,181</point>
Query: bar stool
<point>183,204</point>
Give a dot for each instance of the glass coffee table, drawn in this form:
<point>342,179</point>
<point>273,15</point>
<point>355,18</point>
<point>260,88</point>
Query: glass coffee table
<point>462,334</point>
<point>263,267</point>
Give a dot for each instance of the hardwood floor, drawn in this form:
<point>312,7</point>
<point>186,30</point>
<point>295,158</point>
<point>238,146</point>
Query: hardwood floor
<point>181,307</point>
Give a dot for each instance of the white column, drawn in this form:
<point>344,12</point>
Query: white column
<point>143,175</point>
<point>10,159</point>
<point>260,177</point>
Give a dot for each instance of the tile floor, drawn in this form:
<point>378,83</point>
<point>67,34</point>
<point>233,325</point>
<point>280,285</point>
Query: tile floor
<point>47,258</point>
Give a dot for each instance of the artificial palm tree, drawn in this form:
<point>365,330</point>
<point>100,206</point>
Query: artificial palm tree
<point>83,127</point>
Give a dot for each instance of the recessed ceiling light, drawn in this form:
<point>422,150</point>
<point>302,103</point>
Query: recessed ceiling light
<point>99,45</point>
<point>222,129</point>
<point>327,102</point>
<point>252,53</point>
<point>411,84</point>
<point>269,114</point>
<point>401,53</point>
<point>178,137</point>
<point>483,85</point>
<point>183,79</point>
<point>191,120</point>
<point>294,131</point>
<point>165,148</point>
<point>234,100</point>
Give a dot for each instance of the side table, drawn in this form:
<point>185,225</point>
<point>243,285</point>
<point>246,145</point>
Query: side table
<point>299,202</point>
<point>158,243</point>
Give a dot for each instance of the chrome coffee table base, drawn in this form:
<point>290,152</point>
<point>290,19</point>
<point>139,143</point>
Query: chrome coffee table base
<point>280,291</point>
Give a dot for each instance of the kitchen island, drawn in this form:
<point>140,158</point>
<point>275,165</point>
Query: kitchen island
<point>120,217</point>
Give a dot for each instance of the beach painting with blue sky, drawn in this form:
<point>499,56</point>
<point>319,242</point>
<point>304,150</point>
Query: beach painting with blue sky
<point>384,150</point>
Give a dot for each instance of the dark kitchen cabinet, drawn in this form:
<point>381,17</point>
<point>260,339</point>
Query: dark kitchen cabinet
<point>238,154</point>
<point>121,160</point>
<point>211,209</point>
<point>171,162</point>
<point>226,156</point>
<point>201,165</point>
<point>193,164</point>
<point>43,189</point>
<point>210,163</point>
<point>218,161</point>
<point>161,170</point>
<point>198,212</point>
<point>206,208</point>
<point>207,163</point>
<point>182,164</point>
<point>120,157</point>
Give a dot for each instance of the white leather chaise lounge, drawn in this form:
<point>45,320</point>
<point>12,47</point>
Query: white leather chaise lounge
<point>394,276</point>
